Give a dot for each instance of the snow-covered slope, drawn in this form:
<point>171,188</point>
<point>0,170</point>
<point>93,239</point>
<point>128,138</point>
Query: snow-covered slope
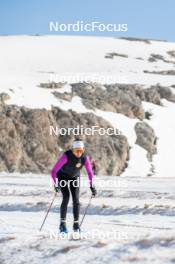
<point>27,61</point>
<point>131,221</point>
<point>163,123</point>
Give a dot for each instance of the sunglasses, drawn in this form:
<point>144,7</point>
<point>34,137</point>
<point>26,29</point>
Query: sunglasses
<point>78,150</point>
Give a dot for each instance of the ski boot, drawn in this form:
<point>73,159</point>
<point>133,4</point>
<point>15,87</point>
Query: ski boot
<point>63,228</point>
<point>76,227</point>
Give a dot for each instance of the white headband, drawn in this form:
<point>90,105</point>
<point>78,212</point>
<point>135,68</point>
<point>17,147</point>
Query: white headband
<point>78,144</point>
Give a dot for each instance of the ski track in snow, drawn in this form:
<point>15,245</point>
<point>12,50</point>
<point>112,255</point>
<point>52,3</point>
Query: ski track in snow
<point>133,222</point>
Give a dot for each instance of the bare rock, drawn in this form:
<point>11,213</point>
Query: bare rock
<point>158,57</point>
<point>146,137</point>
<point>149,95</point>
<point>168,72</point>
<point>146,41</point>
<point>52,85</point>
<point>171,53</point>
<point>115,98</point>
<point>112,55</point>
<point>155,93</point>
<point>26,144</point>
<point>4,97</point>
<point>166,93</point>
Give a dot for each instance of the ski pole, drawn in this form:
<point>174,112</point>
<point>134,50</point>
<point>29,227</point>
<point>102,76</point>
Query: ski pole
<point>85,212</point>
<point>48,210</point>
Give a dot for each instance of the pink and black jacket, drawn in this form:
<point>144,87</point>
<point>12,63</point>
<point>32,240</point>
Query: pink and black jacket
<point>69,165</point>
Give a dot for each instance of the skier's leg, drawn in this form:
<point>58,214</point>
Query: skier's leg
<point>74,188</point>
<point>63,209</point>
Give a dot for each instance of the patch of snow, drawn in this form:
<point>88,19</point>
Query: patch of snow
<point>162,122</point>
<point>27,61</point>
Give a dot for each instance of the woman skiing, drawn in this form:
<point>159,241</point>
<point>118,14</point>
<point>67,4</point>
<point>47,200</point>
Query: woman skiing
<point>65,175</point>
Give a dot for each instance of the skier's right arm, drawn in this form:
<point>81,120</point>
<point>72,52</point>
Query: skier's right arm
<point>62,160</point>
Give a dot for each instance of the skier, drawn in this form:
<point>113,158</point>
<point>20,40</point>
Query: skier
<point>65,175</point>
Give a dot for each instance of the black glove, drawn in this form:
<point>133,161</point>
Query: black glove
<point>93,190</point>
<point>56,188</point>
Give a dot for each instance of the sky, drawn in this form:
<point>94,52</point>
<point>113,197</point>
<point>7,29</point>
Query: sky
<point>152,19</point>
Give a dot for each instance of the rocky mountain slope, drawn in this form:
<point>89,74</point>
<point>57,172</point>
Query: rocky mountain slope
<point>107,82</point>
